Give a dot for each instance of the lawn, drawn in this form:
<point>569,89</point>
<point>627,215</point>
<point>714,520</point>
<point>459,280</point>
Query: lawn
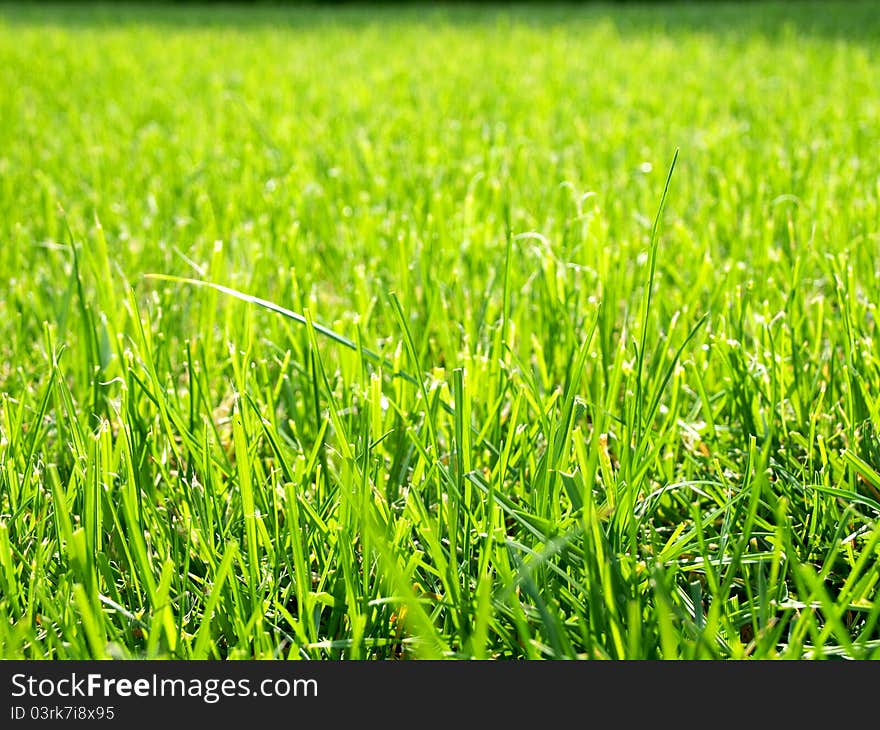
<point>456,331</point>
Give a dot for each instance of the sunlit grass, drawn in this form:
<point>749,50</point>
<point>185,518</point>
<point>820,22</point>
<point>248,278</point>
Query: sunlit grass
<point>361,333</point>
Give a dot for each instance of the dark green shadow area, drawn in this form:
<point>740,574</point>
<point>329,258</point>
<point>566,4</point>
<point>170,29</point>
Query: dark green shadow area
<point>854,21</point>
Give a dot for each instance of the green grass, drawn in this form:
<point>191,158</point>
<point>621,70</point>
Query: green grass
<point>503,407</point>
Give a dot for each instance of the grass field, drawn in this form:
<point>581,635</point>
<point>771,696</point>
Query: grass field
<point>503,407</point>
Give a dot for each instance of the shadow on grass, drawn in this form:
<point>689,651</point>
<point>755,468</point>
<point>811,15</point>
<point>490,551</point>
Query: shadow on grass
<point>856,21</point>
